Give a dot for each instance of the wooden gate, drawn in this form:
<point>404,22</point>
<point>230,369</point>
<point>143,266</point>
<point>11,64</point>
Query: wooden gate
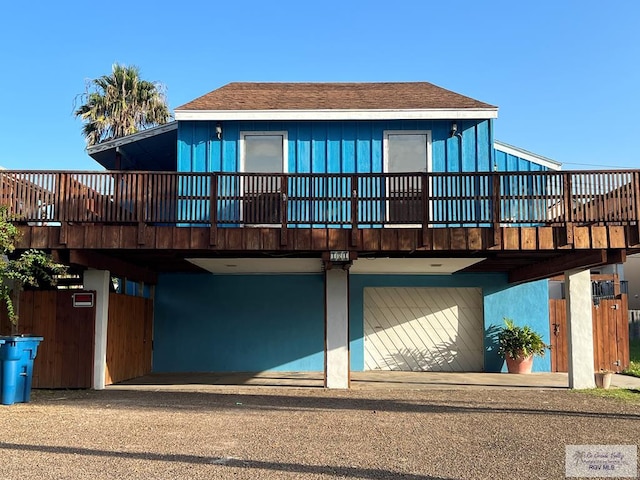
<point>610,335</point>
<point>128,337</point>
<point>65,356</point>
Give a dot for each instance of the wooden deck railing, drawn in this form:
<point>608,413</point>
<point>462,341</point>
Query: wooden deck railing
<point>323,200</point>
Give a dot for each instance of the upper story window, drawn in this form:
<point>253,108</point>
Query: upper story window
<point>263,152</point>
<point>407,151</point>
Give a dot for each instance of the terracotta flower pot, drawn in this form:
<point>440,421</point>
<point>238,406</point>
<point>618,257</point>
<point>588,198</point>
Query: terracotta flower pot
<point>603,379</point>
<point>519,364</point>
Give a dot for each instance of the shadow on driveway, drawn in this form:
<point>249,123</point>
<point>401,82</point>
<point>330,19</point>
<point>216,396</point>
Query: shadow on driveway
<point>337,471</point>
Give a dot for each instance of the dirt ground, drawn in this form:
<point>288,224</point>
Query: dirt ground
<point>285,433</point>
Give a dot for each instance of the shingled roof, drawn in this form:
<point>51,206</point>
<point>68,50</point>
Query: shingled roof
<point>333,97</point>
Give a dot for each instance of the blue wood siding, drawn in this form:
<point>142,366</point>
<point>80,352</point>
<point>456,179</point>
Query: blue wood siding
<point>505,162</point>
<point>344,146</point>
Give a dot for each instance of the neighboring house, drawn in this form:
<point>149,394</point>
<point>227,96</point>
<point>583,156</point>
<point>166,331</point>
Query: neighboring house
<point>632,275</point>
<point>335,227</point>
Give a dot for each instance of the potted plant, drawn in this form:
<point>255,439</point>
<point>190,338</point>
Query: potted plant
<point>518,345</point>
<point>603,378</point>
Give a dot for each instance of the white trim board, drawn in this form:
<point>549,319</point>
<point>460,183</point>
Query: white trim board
<point>532,157</point>
<point>336,114</point>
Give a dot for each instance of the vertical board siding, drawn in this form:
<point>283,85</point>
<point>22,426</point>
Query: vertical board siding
<point>185,141</point>
<point>484,149</point>
<point>345,146</point>
<point>128,337</point>
<point>65,356</point>
<point>301,161</point>
<point>364,156</point>
<point>230,147</point>
<point>610,335</point>
<point>348,150</point>
<point>318,149</point>
<point>558,329</point>
<point>506,162</point>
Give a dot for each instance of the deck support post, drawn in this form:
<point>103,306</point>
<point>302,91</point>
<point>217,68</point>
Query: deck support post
<point>580,329</point>
<point>98,280</point>
<point>336,354</point>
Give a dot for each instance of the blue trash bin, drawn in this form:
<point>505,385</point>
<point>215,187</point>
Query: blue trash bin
<point>17,354</point>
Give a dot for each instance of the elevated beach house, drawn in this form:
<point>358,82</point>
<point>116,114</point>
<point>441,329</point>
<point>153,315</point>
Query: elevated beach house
<point>333,227</point>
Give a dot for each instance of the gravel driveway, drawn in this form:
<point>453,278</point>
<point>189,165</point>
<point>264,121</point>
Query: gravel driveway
<point>270,433</point>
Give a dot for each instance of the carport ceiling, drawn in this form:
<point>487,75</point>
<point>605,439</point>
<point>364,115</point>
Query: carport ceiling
<point>416,266</point>
<point>258,265</point>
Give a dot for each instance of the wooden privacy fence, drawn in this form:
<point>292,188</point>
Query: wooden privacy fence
<point>128,337</point>
<point>65,356</point>
<point>324,200</point>
<point>610,335</point>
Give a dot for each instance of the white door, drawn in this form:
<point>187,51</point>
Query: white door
<point>262,154</point>
<point>406,152</point>
<point>423,329</point>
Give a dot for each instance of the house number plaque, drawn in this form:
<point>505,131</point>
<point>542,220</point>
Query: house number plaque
<point>339,256</point>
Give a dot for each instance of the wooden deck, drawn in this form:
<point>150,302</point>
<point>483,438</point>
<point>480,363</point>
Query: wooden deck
<point>153,220</point>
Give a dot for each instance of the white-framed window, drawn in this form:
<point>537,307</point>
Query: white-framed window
<point>262,153</point>
<point>405,151</point>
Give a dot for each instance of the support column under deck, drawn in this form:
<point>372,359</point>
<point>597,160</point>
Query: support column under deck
<point>336,356</point>
<point>99,280</point>
<point>580,329</point>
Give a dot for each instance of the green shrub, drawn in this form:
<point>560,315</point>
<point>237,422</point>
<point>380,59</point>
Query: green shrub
<point>515,341</point>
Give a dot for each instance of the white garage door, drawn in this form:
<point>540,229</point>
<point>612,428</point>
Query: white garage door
<point>423,329</point>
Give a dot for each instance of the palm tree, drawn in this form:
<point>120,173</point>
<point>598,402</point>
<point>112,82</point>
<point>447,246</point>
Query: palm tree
<point>120,104</point>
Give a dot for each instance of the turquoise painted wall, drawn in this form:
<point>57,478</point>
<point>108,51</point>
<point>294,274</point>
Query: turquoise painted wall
<point>526,303</point>
<point>206,322</point>
<point>335,146</point>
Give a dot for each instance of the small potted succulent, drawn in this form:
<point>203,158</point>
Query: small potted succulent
<point>518,345</point>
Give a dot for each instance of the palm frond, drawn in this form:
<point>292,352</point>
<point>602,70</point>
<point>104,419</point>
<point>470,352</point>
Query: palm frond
<point>120,104</point>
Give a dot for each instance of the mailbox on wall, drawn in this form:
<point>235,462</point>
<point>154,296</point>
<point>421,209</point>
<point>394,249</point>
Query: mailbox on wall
<point>84,299</point>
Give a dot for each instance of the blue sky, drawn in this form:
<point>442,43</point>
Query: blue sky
<point>565,74</point>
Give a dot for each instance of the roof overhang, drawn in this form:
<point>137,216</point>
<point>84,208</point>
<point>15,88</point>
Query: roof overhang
<point>334,114</point>
<point>526,155</point>
<point>151,149</point>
